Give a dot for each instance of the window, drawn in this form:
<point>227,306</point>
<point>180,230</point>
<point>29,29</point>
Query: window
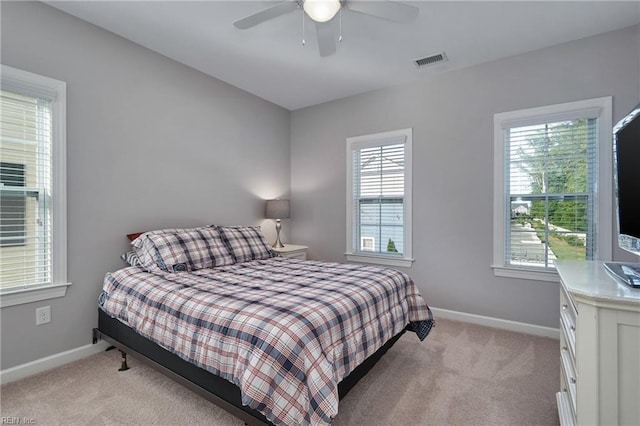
<point>32,188</point>
<point>552,187</point>
<point>379,198</point>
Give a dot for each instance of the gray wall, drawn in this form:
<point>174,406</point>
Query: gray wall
<point>452,120</point>
<point>151,143</point>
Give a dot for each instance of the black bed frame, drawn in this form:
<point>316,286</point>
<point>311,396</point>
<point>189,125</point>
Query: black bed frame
<point>221,392</point>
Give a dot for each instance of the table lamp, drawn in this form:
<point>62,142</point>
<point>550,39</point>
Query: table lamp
<point>278,210</point>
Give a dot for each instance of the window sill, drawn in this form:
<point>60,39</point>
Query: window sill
<point>380,260</point>
<point>525,274</point>
<point>21,296</point>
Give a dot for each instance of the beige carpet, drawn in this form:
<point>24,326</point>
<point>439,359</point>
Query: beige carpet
<point>462,374</point>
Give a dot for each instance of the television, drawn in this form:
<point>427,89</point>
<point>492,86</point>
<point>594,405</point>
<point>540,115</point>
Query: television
<point>626,162</point>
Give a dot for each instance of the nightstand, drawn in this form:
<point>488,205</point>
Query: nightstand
<point>292,251</point>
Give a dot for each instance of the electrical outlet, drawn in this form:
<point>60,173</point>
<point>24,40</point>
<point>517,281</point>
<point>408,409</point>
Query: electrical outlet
<point>43,315</point>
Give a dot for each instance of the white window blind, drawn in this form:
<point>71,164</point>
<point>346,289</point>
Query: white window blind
<point>379,198</point>
<point>379,195</point>
<point>550,170</point>
<point>33,235</point>
<point>552,178</point>
<point>25,188</point>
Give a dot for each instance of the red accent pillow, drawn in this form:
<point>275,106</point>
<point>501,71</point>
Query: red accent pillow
<point>133,236</point>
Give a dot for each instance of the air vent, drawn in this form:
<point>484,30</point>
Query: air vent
<point>430,60</point>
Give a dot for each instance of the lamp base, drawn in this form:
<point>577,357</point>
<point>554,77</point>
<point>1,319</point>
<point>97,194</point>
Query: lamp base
<point>278,243</point>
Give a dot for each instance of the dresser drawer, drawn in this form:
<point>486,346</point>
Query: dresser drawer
<point>568,320</point>
<point>564,410</point>
<point>568,379</point>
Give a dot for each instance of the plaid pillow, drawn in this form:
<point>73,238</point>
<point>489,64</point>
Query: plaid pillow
<point>189,250</point>
<point>146,251</point>
<point>246,243</point>
<point>174,250</point>
<point>131,258</point>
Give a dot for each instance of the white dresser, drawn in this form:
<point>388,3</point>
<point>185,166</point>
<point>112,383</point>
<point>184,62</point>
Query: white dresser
<point>599,347</point>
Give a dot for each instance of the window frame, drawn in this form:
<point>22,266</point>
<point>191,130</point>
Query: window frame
<point>31,84</point>
<point>379,139</point>
<point>600,108</point>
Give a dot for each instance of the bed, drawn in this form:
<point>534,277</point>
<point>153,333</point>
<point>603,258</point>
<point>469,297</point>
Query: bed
<point>271,339</point>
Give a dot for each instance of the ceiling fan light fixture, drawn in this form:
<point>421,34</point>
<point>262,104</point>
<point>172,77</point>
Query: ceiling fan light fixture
<point>321,10</point>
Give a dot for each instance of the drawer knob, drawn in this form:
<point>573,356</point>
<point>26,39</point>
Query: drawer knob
<point>565,306</point>
<point>564,348</point>
<point>572,380</point>
<point>573,328</point>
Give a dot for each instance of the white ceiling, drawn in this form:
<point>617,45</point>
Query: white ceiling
<point>269,60</point>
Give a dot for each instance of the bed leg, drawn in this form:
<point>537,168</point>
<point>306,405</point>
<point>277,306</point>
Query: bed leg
<point>96,335</point>
<point>124,366</point>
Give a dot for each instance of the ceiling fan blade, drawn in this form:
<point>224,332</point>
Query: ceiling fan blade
<point>266,14</point>
<point>326,38</point>
<point>389,10</point>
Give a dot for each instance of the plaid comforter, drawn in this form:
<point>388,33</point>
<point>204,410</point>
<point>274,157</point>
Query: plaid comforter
<point>285,331</point>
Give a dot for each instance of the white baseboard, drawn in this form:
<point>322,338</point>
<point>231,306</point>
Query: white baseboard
<point>56,360</point>
<point>520,327</point>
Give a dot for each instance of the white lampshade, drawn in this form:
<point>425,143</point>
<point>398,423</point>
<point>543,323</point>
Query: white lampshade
<point>277,209</point>
<point>321,10</point>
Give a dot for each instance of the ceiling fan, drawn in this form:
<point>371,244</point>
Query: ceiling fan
<point>322,13</point>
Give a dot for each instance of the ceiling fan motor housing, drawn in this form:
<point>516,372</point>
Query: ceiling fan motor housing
<point>321,10</point>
